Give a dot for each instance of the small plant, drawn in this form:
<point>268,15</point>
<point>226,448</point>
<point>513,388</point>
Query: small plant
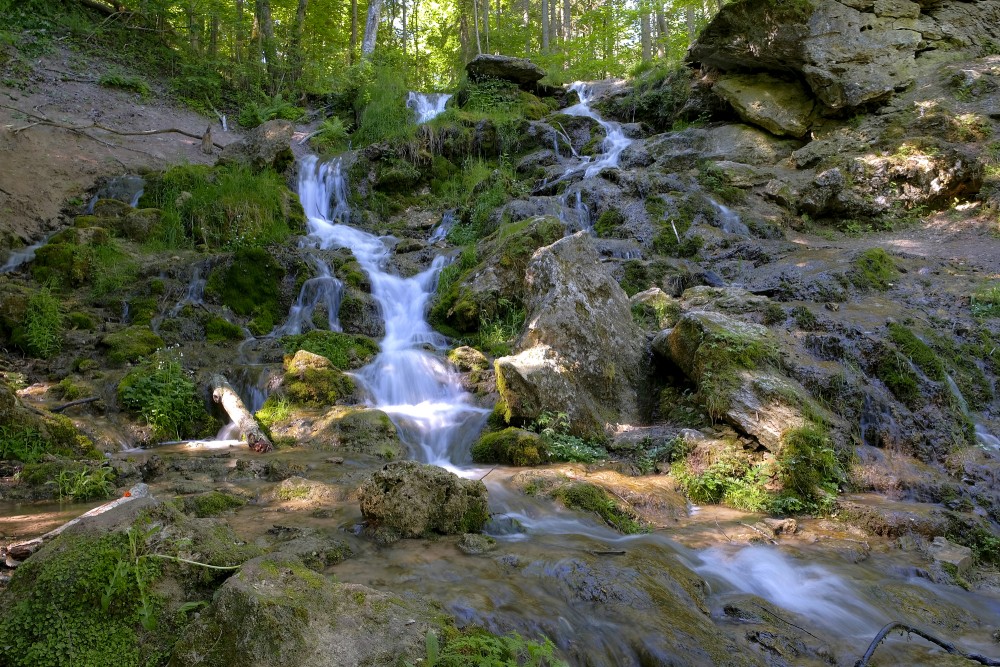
<point>85,483</point>
<point>331,137</point>
<point>804,318</point>
<point>23,444</point>
<point>276,409</point>
<point>43,328</point>
<point>254,113</point>
<point>873,269</point>
<point>162,394</point>
<point>128,82</point>
<point>562,445</point>
<point>591,498</point>
<point>478,647</point>
<point>986,302</point>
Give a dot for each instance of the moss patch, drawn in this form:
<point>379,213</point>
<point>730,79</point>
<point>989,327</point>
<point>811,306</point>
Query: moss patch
<point>873,270</point>
<point>511,446</point>
<point>591,498</point>
<point>345,351</point>
<point>212,503</point>
<point>132,344</point>
<point>249,286</point>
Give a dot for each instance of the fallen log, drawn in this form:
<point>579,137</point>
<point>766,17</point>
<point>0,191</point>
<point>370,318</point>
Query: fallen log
<point>248,428</point>
<point>14,554</point>
<point>82,401</point>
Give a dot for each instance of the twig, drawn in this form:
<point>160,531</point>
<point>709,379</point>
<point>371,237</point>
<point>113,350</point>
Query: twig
<point>760,532</point>
<point>786,621</point>
<point>72,403</point>
<point>194,562</point>
<point>308,137</point>
<point>729,539</point>
<point>616,552</point>
<point>490,470</point>
<point>950,648</point>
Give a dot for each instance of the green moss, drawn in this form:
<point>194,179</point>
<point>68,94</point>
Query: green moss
<point>79,321</point>
<point>477,646</point>
<point>804,318</point>
<point>249,286</point>
<point>591,498</point>
<point>608,224</point>
<point>873,269</point>
<point>212,503</point>
<point>276,409</point>
<point>219,330</point>
<point>511,446</point>
<point>394,175</point>
<point>773,314</point>
<point>808,469</point>
<point>130,345</point>
<point>918,351</point>
<point>345,351</point>
<point>635,277</point>
<point>317,387</point>
<point>895,372</point>
<point>142,309</point>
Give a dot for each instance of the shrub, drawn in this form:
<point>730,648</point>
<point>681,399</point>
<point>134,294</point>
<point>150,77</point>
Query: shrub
<point>382,111</point>
<point>256,113</point>
<point>84,483</point>
<point>21,443</point>
<point>128,82</point>
<point>332,136</point>
<point>43,329</point>
<point>162,394</point>
<point>985,303</point>
<point>808,468</point>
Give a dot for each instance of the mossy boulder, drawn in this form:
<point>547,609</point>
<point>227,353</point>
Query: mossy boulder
<point>278,613</point>
<point>249,284</point>
<point>511,446</point>
<point>410,499</point>
<point>133,344</point>
<point>312,380</point>
<point>345,351</point>
<point>28,437</point>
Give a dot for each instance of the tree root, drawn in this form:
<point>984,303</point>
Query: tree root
<point>950,648</point>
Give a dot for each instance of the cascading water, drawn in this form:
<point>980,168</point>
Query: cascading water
<point>20,257</point>
<point>322,289</point>
<point>427,105</point>
<point>417,389</point>
<point>615,140</point>
<point>441,231</point>
<point>729,220</point>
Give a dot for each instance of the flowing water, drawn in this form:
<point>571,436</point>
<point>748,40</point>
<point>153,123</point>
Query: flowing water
<point>614,142</point>
<point>427,105</point>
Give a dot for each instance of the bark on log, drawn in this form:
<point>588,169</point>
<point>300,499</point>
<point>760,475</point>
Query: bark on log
<point>224,394</point>
<point>13,554</point>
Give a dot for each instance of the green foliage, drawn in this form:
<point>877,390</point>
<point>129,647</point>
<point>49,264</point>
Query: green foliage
<point>43,328</point>
<point>722,356</point>
<point>276,409</point>
<point>227,207</point>
<point>592,498</point>
<point>773,314</point>
<point>85,483</point>
<point>212,503</point>
<point>345,351</point>
<point>717,182</point>
<point>489,95</point>
<point>160,392</point>
<point>608,224</point>
<point>511,446</point>
<point>873,269</point>
<point>731,478</point>
<point>635,277</point>
<point>255,113</point>
<point>918,351</point>
<point>331,137</point>
<point>660,91</point>
<point>895,372</point>
<point>128,82</point>
<point>131,345</point>
<point>985,303</point>
<point>317,387</point>
<point>804,318</point>
<point>476,647</point>
<point>498,327</point>
<point>69,389</point>
<point>564,446</point>
<point>808,470</point>
<point>22,443</point>
<point>249,285</point>
<point>381,110</point>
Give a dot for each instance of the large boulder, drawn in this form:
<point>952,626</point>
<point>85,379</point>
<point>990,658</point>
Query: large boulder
<point>266,146</point>
<point>410,499</point>
<point>521,71</point>
<point>278,613</point>
<point>581,353</point>
<point>849,53</point>
<point>781,107</point>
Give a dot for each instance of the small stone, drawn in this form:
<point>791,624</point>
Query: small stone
<point>336,460</point>
<point>473,544</point>
<point>782,526</point>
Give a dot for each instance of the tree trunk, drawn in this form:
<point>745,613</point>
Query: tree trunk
<point>213,38</point>
<point>545,26</point>
<point>296,54</point>
<point>645,34</point>
<point>249,430</point>
<point>526,26</point>
<point>486,22</point>
<point>689,16</point>
<point>404,32</point>
<point>265,24</point>
<point>371,28</point>
<point>661,28</point>
<point>475,18</point>
<point>238,36</point>
<point>554,24</point>
<point>354,31</point>
<point>567,24</point>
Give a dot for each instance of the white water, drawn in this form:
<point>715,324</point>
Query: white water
<point>417,389</point>
<point>441,231</point>
<point>987,439</point>
<point>614,142</point>
<point>427,105</point>
<point>729,220</point>
<point>21,257</point>
<point>323,289</point>
<point>195,293</point>
<point>580,218</point>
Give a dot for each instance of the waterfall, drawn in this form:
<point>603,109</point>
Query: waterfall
<point>195,293</point>
<point>729,220</point>
<point>615,140</point>
<point>419,391</point>
<point>20,257</point>
<point>441,231</point>
<point>426,105</point>
<point>323,289</point>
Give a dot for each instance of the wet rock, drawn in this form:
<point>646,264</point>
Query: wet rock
<point>474,544</point>
<point>771,636</point>
<point>892,519</point>
<point>353,429</point>
<point>266,146</point>
<point>781,107</point>
<point>312,380</point>
<point>954,555</point>
<point>305,493</point>
<point>276,611</point>
<point>511,446</point>
<point>467,359</point>
<point>413,499</point>
<point>581,353</point>
<point>655,308</point>
<point>317,549</point>
<point>521,71</point>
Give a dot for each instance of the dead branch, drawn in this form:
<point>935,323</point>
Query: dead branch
<point>760,532</point>
<point>950,648</point>
<point>62,407</point>
<point>224,394</point>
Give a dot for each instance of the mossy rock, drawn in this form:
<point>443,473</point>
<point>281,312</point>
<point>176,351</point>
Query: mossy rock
<point>311,380</point>
<point>345,351</point>
<point>133,344</point>
<point>142,309</point>
<point>110,208</point>
<point>137,224</point>
<point>873,269</point>
<point>608,224</point>
<point>219,330</point>
<point>592,498</point>
<point>28,437</point>
<point>211,503</point>
<point>511,446</point>
<point>396,175</point>
<point>370,432</point>
<point>249,285</point>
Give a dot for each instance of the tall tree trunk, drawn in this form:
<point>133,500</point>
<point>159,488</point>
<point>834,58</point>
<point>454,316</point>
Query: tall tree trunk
<point>416,40</point>
<point>405,38</point>
<point>554,23</point>
<point>194,29</point>
<point>545,26</point>
<point>661,28</point>
<point>213,38</point>
<point>265,24</point>
<point>645,34</point>
<point>238,38</point>
<point>486,22</point>
<point>296,56</point>
<point>567,25</point>
<point>354,31</point>
<point>371,28</point>
<point>526,26</point>
<point>475,17</point>
<point>689,16</point>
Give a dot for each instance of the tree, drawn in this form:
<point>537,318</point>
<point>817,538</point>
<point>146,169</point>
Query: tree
<point>371,28</point>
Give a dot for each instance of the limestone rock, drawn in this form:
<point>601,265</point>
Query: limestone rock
<point>781,107</point>
<point>581,353</point>
<point>413,499</point>
<point>943,551</point>
<point>474,544</point>
<point>276,612</point>
<point>268,145</point>
<point>521,71</point>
